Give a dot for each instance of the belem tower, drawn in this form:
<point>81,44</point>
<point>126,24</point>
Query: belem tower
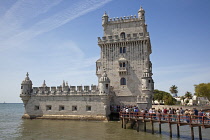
<point>124,72</point>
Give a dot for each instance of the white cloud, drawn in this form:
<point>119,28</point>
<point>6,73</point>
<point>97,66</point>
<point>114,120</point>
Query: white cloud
<point>63,60</point>
<point>13,35</point>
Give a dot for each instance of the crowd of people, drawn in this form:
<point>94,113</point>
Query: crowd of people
<point>165,113</point>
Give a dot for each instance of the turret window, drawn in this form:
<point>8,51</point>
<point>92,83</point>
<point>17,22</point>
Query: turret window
<point>122,81</point>
<point>107,86</point>
<point>36,107</point>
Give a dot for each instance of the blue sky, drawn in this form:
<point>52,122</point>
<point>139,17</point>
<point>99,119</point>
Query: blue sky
<point>56,40</point>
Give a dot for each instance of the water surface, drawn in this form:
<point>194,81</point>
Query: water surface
<point>12,127</point>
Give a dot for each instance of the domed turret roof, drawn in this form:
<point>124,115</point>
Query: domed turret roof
<point>105,14</point>
<point>44,84</point>
<point>141,9</point>
<point>104,78</point>
<point>27,80</point>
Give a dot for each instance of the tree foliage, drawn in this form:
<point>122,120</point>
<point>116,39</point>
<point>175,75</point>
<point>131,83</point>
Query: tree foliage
<point>173,89</point>
<point>164,96</point>
<point>203,90</point>
<point>188,95</point>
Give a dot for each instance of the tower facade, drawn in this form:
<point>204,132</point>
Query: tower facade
<point>125,56</point>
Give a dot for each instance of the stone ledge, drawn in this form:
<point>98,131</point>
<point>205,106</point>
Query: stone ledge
<point>67,117</point>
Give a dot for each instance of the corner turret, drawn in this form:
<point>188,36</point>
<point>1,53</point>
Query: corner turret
<point>147,87</point>
<point>104,84</point>
<point>26,86</point>
<point>26,89</point>
<point>105,19</point>
<point>141,13</point>
<point>147,81</point>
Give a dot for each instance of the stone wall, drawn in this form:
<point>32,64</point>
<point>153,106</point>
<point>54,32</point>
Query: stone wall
<point>74,106</point>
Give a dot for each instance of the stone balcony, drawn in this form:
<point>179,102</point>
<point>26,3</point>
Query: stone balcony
<point>122,70</point>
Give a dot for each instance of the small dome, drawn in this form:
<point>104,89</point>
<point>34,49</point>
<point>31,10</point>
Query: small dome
<point>141,9</point>
<point>104,78</point>
<point>122,59</point>
<point>105,15</point>
<point>27,80</point>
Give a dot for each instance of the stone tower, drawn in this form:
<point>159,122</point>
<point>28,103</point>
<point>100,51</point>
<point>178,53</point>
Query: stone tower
<point>125,56</point>
<point>26,89</point>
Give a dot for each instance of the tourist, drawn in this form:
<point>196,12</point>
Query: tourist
<point>200,115</point>
<point>177,112</point>
<point>170,112</point>
<point>186,113</point>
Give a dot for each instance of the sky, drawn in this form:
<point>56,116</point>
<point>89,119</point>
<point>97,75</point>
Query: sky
<point>56,40</point>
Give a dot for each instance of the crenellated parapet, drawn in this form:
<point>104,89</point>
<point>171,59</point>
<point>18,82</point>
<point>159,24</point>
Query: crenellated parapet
<point>128,37</point>
<point>66,90</point>
<point>124,19</point>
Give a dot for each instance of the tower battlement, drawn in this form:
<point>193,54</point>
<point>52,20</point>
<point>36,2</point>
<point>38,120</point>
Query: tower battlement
<point>123,19</point>
<point>126,38</point>
<point>66,90</point>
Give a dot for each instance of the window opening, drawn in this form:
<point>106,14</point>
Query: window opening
<point>74,108</point>
<point>122,49</point>
<point>107,86</point>
<point>122,81</point>
<point>88,108</point>
<point>36,107</point>
<point>61,107</point>
<point>122,35</point>
<point>48,107</point>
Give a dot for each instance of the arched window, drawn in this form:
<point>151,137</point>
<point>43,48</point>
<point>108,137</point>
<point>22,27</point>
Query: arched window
<point>122,35</point>
<point>122,81</point>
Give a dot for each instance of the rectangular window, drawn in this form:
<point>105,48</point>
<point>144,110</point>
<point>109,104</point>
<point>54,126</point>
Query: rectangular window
<point>74,108</point>
<point>124,49</point>
<point>121,50</point>
<point>124,64</point>
<point>61,107</point>
<point>88,108</point>
<point>36,107</point>
<point>48,107</point>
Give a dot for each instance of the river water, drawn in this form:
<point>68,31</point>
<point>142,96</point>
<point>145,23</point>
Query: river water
<point>12,127</point>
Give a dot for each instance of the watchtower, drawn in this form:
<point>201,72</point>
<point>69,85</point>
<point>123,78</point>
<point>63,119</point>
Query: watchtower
<point>125,55</point>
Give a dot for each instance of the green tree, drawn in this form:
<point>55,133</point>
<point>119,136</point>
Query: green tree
<point>203,90</point>
<point>164,96</point>
<point>188,95</point>
<point>174,90</point>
